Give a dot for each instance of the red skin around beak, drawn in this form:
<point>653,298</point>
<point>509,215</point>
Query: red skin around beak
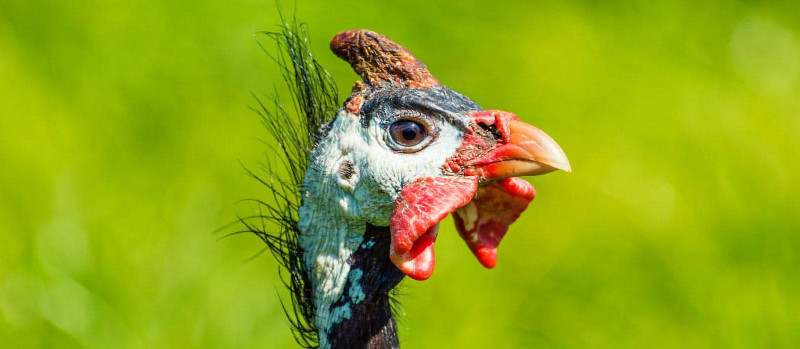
<point>482,214</point>
<point>522,150</point>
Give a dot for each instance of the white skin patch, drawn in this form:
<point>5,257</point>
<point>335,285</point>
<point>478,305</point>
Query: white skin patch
<point>348,205</point>
<point>335,210</point>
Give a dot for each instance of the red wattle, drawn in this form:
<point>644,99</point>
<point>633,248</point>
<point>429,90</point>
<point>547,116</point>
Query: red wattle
<point>422,204</point>
<point>484,221</point>
<point>418,262</point>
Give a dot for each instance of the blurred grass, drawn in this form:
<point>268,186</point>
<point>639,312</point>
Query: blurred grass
<point>122,122</point>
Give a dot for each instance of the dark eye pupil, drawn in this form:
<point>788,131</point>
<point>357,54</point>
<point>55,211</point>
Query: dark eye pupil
<point>410,133</point>
<point>407,132</point>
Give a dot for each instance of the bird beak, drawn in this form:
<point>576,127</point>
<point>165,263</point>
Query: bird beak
<point>521,150</point>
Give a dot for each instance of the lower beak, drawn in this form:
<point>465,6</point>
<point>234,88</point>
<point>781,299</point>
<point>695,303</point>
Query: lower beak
<point>521,150</point>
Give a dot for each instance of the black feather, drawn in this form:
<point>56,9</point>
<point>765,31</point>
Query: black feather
<point>314,103</point>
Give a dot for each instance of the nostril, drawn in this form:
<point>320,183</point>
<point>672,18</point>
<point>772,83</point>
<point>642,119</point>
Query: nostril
<point>492,129</point>
<point>497,118</point>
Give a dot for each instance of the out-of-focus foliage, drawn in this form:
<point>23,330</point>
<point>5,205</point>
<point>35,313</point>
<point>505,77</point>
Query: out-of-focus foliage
<point>121,123</point>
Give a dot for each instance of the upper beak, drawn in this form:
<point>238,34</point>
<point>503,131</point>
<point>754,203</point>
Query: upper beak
<point>521,150</point>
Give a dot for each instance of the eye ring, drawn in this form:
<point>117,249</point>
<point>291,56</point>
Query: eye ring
<point>410,135</point>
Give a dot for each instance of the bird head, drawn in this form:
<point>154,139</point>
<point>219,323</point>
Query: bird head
<point>405,152</point>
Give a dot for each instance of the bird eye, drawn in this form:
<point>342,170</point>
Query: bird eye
<point>408,135</point>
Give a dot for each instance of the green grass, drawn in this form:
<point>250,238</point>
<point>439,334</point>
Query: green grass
<point>121,124</point>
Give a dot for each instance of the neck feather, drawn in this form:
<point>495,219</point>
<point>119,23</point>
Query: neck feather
<point>367,296</point>
<point>351,278</point>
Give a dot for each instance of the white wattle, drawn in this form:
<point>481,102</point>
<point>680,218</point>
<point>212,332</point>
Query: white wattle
<point>469,214</point>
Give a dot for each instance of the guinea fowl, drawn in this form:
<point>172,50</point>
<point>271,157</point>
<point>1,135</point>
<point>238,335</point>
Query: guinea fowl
<point>377,176</point>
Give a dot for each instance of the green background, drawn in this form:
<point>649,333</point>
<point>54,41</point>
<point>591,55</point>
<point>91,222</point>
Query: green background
<point>121,124</point>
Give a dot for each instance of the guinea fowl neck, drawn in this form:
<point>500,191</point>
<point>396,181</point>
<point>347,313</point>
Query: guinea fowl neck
<point>366,294</point>
<point>351,278</point>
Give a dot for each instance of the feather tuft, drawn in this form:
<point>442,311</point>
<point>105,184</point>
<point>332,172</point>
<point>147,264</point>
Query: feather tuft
<point>314,104</point>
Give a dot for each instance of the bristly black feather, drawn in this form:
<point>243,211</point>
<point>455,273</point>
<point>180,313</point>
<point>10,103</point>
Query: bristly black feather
<point>315,102</point>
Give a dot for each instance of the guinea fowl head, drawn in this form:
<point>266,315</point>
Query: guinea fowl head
<point>399,156</point>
